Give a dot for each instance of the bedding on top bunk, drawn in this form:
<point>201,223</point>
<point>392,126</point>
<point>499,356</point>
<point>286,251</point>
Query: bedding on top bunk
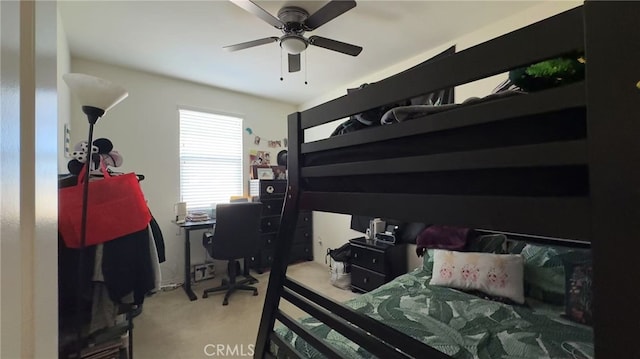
<point>459,324</point>
<point>405,113</point>
<point>391,114</point>
<point>543,75</point>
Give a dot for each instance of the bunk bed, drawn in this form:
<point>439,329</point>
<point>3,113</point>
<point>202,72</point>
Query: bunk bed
<point>558,167</point>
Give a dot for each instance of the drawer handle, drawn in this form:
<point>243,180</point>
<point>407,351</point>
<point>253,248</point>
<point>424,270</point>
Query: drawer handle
<point>366,280</point>
<point>355,255</point>
<point>268,224</point>
<point>268,241</point>
<point>374,261</point>
<point>268,206</point>
<point>306,235</point>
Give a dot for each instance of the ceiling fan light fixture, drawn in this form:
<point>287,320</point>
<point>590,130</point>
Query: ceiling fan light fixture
<point>293,44</point>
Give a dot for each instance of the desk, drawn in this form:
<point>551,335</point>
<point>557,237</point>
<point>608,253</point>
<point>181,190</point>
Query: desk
<point>188,227</point>
<point>191,226</point>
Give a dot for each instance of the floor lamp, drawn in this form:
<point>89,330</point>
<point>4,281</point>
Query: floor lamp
<point>96,97</point>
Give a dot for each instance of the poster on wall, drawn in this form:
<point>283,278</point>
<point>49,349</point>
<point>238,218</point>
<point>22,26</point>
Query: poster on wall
<point>259,158</point>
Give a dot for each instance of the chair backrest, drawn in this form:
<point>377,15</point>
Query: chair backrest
<point>237,233</point>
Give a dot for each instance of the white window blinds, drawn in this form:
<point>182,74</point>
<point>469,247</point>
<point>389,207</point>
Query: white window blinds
<point>210,158</point>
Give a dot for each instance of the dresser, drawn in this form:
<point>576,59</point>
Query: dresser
<point>374,263</point>
<point>271,194</point>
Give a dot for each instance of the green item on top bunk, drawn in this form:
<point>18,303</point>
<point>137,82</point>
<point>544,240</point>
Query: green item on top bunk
<point>457,323</point>
<point>549,73</point>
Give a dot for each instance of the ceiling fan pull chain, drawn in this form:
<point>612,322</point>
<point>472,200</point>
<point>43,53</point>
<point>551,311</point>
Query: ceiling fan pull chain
<point>305,68</point>
<point>281,64</point>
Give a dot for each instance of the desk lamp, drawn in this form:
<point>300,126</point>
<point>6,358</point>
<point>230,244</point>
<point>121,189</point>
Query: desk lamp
<point>96,96</point>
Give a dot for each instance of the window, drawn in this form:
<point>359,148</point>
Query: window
<point>210,158</point>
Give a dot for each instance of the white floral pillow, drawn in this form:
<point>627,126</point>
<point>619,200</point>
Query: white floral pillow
<point>495,274</point>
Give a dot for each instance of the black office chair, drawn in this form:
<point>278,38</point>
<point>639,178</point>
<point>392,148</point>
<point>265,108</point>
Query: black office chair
<point>236,236</point>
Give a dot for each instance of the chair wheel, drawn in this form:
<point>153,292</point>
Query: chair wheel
<point>225,302</point>
<point>255,292</point>
<point>205,295</point>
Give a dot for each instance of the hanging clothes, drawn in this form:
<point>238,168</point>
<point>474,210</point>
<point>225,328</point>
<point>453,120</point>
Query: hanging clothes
<point>126,266</point>
<point>158,239</point>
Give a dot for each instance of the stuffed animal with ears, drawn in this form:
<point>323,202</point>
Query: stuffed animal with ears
<point>102,150</point>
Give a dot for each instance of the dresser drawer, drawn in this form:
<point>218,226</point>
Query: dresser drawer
<point>369,258</point>
<point>302,235</point>
<point>272,207</point>
<point>266,189</point>
<point>269,224</point>
<point>301,252</point>
<point>263,260</point>
<point>304,219</point>
<point>269,240</point>
<point>366,280</point>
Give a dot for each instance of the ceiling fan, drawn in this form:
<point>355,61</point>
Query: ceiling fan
<point>294,21</point>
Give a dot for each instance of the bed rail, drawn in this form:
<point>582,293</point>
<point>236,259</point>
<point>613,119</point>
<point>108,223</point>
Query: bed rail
<point>378,339</point>
<point>552,100</point>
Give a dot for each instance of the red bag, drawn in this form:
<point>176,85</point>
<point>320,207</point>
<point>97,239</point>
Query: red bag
<point>116,207</point>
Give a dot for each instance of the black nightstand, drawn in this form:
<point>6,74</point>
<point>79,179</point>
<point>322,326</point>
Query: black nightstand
<point>374,263</point>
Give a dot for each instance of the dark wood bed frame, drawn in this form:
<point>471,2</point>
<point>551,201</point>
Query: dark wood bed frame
<point>588,168</point>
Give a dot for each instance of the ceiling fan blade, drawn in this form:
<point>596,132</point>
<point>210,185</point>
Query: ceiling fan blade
<point>256,10</point>
<point>294,63</point>
<point>328,12</point>
<point>334,45</point>
<point>248,44</point>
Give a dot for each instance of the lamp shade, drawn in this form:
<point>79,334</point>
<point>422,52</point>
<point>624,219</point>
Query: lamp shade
<point>94,91</point>
<point>293,44</point>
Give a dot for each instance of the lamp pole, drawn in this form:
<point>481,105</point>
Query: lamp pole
<point>93,115</point>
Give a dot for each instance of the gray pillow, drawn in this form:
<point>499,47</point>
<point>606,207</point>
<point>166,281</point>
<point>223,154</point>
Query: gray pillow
<point>544,274</point>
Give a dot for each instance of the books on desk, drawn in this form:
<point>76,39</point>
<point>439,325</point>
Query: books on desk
<point>198,217</point>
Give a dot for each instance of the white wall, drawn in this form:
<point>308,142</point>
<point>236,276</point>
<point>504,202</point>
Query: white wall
<point>144,128</point>
<point>64,117</point>
<point>332,230</point>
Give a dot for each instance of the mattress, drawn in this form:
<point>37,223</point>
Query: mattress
<point>456,323</point>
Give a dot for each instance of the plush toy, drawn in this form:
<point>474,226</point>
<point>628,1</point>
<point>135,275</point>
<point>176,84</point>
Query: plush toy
<point>549,73</point>
<point>102,150</point>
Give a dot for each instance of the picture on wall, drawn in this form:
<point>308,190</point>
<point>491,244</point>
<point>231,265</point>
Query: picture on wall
<point>259,158</point>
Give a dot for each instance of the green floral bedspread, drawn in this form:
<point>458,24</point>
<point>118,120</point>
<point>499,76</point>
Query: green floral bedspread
<point>458,324</point>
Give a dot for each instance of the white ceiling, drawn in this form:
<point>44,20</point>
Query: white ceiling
<point>184,39</point>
